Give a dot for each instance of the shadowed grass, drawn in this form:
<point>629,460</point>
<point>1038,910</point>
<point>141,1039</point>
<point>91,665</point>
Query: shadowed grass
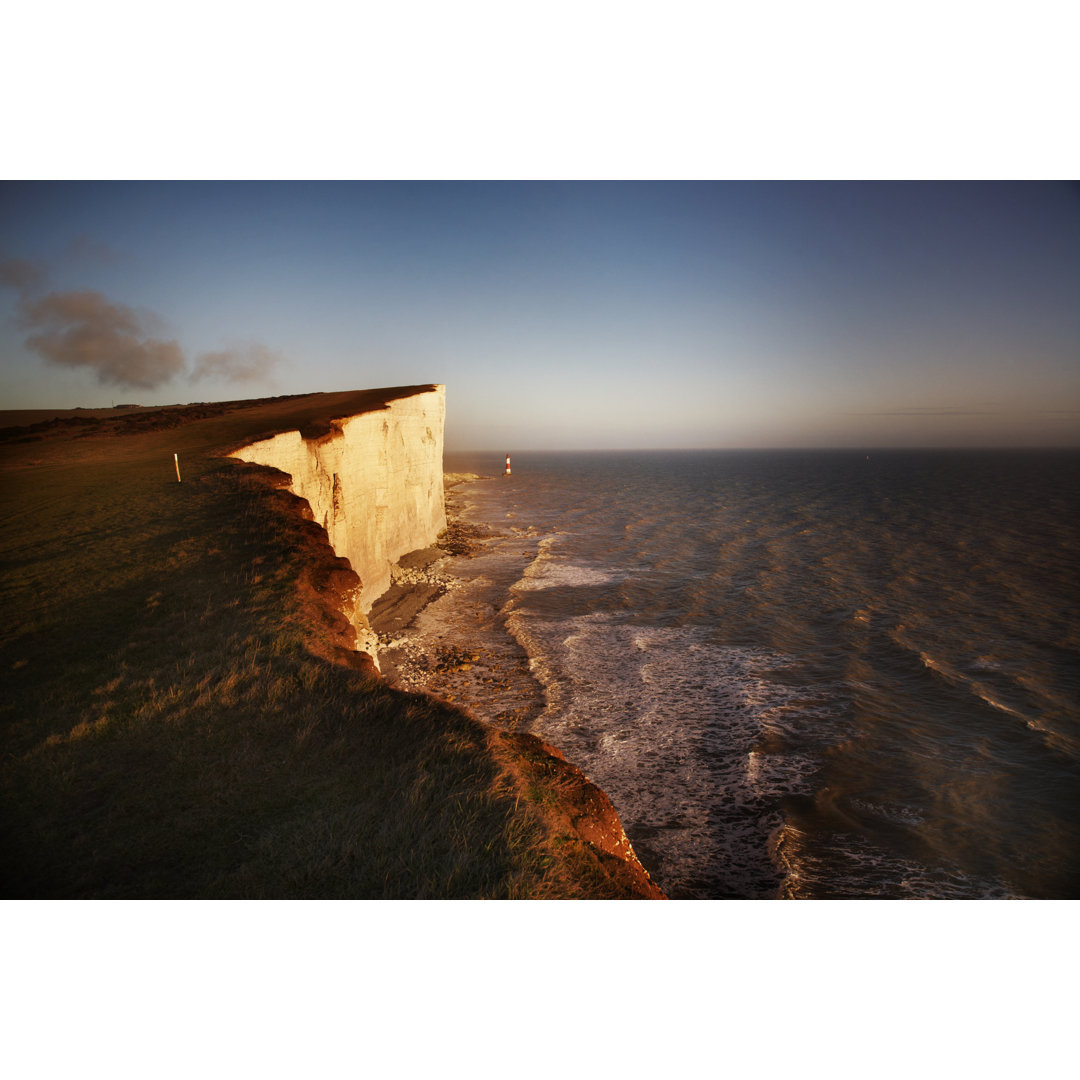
<point>171,727</point>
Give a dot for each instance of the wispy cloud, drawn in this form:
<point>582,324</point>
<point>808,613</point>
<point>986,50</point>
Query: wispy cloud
<point>120,345</point>
<point>244,362</point>
<point>23,274</point>
<point>86,248</point>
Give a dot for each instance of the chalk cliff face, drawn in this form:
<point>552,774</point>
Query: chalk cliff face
<point>374,482</point>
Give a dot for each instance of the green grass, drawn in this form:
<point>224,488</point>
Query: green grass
<point>173,723</point>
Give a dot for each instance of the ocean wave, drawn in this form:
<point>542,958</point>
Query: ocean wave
<point>681,733</point>
<point>849,865</point>
<point>772,646</point>
<point>552,570</point>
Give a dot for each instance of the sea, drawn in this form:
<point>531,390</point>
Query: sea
<point>796,674</point>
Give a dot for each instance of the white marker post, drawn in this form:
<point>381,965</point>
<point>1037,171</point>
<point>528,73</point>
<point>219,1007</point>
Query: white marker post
<point>176,458</point>
<point>507,473</point>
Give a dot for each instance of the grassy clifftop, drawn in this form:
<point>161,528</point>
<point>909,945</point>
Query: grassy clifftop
<point>179,714</point>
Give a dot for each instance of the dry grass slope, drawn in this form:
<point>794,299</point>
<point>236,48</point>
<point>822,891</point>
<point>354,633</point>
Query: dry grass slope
<point>176,718</point>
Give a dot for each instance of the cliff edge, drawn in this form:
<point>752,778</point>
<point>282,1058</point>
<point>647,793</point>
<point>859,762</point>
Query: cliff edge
<point>374,482</point>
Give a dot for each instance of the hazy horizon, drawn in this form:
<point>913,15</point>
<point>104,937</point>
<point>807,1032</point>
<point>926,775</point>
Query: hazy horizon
<point>564,316</point>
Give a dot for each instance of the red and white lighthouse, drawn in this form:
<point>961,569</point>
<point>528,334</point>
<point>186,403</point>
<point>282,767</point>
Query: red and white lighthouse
<point>507,473</point>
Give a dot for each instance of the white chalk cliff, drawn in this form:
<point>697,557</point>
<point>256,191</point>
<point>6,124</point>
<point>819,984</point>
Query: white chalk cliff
<point>374,481</point>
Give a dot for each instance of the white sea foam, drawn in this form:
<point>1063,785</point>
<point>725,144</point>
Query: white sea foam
<point>669,724</point>
<point>552,575</point>
<point>817,664</point>
<point>551,570</point>
<point>847,865</point>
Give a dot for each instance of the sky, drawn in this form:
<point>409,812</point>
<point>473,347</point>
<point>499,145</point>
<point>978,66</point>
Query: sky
<point>564,315</point>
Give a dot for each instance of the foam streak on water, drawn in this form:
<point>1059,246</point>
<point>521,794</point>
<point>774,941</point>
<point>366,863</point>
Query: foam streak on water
<point>796,675</point>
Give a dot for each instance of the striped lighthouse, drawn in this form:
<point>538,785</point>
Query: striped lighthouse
<point>507,473</point>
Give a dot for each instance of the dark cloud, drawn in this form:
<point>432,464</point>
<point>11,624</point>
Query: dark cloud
<point>238,363</point>
<point>22,274</point>
<point>84,329</point>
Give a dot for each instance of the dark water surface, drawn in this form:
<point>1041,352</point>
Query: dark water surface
<point>805,674</point>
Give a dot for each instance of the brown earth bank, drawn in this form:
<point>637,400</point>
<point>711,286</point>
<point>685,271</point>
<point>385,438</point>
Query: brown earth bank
<point>184,714</point>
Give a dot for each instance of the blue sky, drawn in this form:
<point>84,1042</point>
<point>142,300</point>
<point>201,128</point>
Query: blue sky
<point>564,315</point>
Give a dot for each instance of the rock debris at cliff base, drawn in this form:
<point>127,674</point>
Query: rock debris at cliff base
<point>456,646</point>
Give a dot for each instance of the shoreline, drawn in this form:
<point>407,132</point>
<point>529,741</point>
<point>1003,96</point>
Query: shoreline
<point>440,634</point>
